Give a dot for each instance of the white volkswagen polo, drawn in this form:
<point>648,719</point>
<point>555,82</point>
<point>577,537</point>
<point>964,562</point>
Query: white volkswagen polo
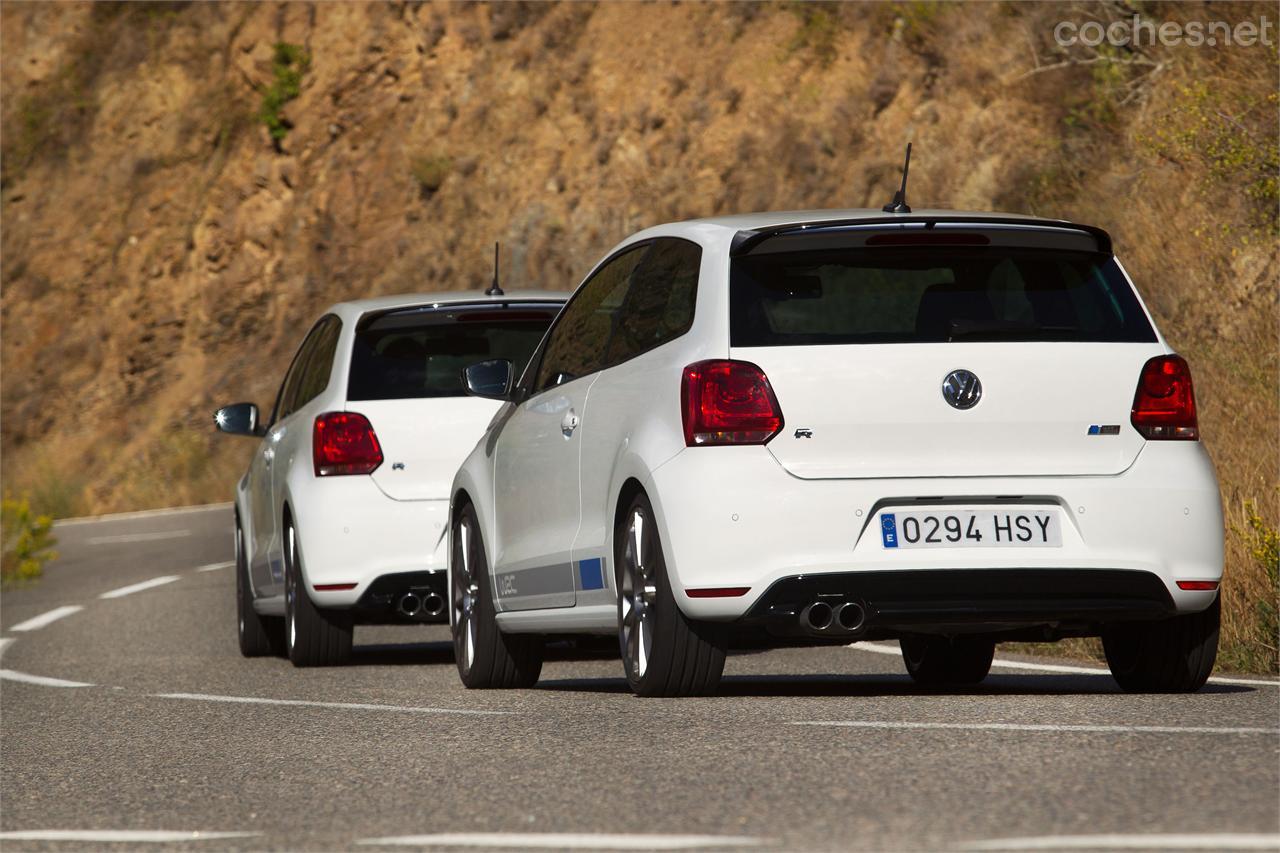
<point>341,516</point>
<point>947,429</point>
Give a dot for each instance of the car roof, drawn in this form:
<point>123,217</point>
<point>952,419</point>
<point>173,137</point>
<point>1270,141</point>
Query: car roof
<point>775,218</point>
<point>357,307</point>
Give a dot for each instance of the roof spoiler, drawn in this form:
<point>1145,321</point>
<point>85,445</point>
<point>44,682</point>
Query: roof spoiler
<point>745,241</point>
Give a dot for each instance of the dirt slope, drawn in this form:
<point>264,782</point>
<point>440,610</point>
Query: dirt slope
<point>162,253</point>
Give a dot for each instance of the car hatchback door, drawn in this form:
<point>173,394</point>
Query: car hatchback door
<point>537,463</point>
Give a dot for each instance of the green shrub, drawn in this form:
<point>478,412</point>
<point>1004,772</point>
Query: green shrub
<point>288,64</point>
<point>1237,149</point>
<point>1263,542</point>
<point>818,31</point>
<point>430,170</point>
<point>28,541</point>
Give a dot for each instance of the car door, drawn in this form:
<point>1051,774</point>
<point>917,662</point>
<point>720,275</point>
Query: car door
<point>290,437</point>
<point>636,379</point>
<point>537,455</point>
<point>264,563</point>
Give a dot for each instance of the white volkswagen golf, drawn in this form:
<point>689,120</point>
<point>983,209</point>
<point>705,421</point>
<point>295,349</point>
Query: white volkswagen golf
<point>341,516</point>
<point>943,428</point>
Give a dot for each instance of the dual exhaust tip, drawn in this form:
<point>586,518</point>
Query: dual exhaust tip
<point>845,617</point>
<point>412,604</point>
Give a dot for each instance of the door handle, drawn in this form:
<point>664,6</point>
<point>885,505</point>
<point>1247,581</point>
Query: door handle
<point>569,423</point>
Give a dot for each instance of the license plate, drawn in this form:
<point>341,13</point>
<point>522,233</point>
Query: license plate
<point>1032,528</point>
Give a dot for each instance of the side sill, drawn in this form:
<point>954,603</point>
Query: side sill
<point>592,619</point>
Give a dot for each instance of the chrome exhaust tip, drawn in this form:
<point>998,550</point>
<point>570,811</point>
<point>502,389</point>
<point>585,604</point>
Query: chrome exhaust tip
<point>432,604</point>
<point>851,616</point>
<point>409,604</point>
<point>817,616</point>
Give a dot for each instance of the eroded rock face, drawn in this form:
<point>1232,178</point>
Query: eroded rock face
<point>163,254</point>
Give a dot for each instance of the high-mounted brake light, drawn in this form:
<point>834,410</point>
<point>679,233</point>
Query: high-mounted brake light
<point>344,443</point>
<point>1164,407</point>
<point>728,402</point>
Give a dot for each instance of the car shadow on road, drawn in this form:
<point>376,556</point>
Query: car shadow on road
<point>884,685</point>
<point>403,654</point>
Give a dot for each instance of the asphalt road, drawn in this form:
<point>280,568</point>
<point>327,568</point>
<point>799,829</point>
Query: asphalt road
<point>173,733</point>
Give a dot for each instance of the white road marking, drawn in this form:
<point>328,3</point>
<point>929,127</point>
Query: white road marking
<point>47,618</point>
<point>213,567</point>
<point>4,644</point>
<point>346,706</point>
<point>1215,841</point>
<point>1053,667</point>
<point>120,836</point>
<point>565,841</point>
<point>1042,727</point>
<point>139,587</point>
<point>42,680</point>
<point>138,537</point>
<point>145,513</point>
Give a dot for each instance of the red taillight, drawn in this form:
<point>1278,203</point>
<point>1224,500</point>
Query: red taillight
<point>728,402</point>
<point>1164,406</point>
<point>334,587</point>
<point>344,443</point>
<point>1206,586</point>
<point>718,592</point>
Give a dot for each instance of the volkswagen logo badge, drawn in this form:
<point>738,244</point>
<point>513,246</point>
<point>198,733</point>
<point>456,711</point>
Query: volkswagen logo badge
<point>961,389</point>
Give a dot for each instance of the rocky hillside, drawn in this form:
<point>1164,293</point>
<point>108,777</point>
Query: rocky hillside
<point>186,186</point>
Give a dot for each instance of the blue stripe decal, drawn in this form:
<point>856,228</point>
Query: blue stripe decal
<point>591,574</point>
<point>889,529</point>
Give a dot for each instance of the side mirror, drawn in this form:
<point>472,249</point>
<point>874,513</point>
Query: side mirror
<point>238,419</point>
<point>490,379</point>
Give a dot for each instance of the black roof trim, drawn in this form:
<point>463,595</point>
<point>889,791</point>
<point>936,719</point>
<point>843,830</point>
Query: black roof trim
<point>745,241</point>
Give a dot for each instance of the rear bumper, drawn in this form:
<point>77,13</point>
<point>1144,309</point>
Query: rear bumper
<point>962,601</point>
<point>733,517</point>
<point>350,532</point>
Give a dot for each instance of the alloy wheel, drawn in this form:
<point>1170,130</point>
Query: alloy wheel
<point>638,596</point>
<point>465,593</point>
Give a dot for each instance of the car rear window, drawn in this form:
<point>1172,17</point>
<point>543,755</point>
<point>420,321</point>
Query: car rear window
<point>422,352</point>
<point>931,294</point>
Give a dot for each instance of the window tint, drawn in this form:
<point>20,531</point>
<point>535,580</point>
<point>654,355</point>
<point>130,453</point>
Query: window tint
<point>931,295</point>
<point>422,353</point>
<point>319,364</point>
<point>660,302</point>
<point>289,387</point>
<point>577,343</point>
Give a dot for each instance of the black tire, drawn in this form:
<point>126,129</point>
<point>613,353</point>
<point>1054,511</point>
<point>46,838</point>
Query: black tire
<point>486,657</point>
<point>937,661</point>
<point>1170,656</point>
<point>313,636</point>
<point>259,636</point>
<point>683,657</point>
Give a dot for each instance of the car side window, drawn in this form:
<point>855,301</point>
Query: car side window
<point>286,399</point>
<point>660,301</point>
<point>315,377</point>
<point>577,343</point>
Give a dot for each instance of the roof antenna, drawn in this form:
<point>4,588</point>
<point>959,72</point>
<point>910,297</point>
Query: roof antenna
<point>494,289</point>
<point>899,203</point>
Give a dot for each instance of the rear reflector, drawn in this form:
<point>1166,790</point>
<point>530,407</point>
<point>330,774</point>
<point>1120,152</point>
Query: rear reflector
<point>728,402</point>
<point>718,592</point>
<point>1201,585</point>
<point>334,587</point>
<point>1164,406</point>
<point>344,443</point>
